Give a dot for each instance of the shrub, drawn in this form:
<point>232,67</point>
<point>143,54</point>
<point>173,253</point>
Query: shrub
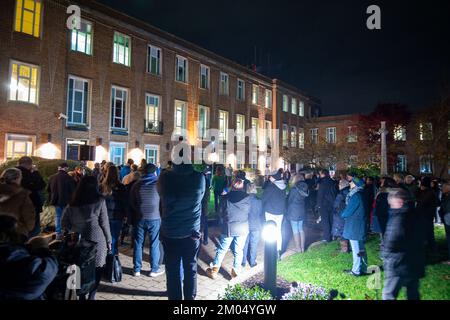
<point>302,291</point>
<point>239,292</point>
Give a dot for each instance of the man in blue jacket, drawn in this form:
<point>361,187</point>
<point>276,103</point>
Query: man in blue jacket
<point>355,226</point>
<point>181,191</point>
<point>126,169</point>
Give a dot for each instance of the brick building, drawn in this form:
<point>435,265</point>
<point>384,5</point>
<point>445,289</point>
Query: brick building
<point>125,87</point>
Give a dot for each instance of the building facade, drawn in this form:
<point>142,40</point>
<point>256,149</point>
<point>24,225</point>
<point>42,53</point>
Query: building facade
<point>127,88</point>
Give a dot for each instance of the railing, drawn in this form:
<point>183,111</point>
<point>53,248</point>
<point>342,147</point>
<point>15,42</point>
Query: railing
<point>155,127</point>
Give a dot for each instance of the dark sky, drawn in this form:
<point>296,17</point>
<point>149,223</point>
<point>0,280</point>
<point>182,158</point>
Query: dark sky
<point>321,47</point>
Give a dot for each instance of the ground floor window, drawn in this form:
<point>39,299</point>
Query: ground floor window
<point>117,152</point>
<point>400,165</point>
<point>240,160</point>
<point>73,148</point>
<point>254,160</point>
<point>426,164</point>
<point>18,145</point>
<point>151,153</point>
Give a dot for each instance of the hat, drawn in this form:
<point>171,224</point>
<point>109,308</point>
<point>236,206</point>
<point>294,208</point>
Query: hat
<point>277,175</point>
<point>358,182</point>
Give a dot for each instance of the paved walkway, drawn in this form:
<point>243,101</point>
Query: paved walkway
<point>146,288</point>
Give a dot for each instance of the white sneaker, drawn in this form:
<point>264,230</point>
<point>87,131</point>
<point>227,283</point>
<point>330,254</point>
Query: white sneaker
<point>156,274</point>
<point>136,274</point>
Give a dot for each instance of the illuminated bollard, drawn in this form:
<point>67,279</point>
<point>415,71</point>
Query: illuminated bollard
<point>269,235</point>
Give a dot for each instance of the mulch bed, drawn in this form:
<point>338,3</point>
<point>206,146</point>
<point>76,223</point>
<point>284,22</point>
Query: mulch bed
<point>283,286</point>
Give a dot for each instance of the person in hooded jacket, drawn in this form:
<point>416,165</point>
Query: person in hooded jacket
<point>234,231</point>
<point>338,207</point>
<point>15,201</point>
<point>326,194</point>
<point>274,203</point>
<point>403,248</point>
<point>26,269</point>
<point>355,218</point>
<point>255,218</point>
<point>296,210</point>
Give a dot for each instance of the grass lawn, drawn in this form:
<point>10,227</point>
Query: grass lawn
<point>323,265</point>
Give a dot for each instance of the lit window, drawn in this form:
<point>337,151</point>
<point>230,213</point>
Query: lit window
<point>24,84</point>
<point>301,109</point>
<point>28,17</point>
<point>73,148</point>
<point>81,40</point>
<point>122,49</point>
<point>268,99</point>
<point>285,135</point>
<point>426,131</point>
<point>180,117</point>
<point>224,84</point>
<point>254,160</point>
<point>223,125</point>
<point>240,128</point>
<point>301,139</point>
<point>294,106</point>
<point>181,69</point>
<point>314,135</point>
<point>255,122</point>
<point>77,101</point>
<point>203,121</point>
<point>293,137</point>
<point>400,165</point>
<point>240,95</point>
<point>268,131</point>
<point>352,134</point>
<point>399,133</point>
<point>255,94</point>
<point>119,98</point>
<point>240,160</point>
<point>151,153</point>
<point>204,77</point>
<point>154,60</point>
<point>152,118</point>
<point>117,152</point>
<point>18,145</point>
<point>285,103</point>
<point>331,135</point>
<point>426,164</point>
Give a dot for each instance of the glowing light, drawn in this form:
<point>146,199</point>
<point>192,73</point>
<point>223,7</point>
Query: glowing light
<point>100,154</point>
<point>231,158</point>
<point>136,154</point>
<point>214,157</point>
<point>269,232</point>
<point>48,151</point>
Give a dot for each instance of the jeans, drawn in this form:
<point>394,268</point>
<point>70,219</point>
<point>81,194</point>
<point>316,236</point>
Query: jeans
<point>204,222</point>
<point>326,214</point>
<point>140,229</point>
<point>37,224</point>
<point>393,284</point>
<point>98,276</point>
<point>115,226</point>
<point>58,216</point>
<point>181,267</point>
<point>237,248</point>
<point>297,226</point>
<point>278,219</point>
<point>217,201</point>
<point>251,248</point>
<point>359,257</point>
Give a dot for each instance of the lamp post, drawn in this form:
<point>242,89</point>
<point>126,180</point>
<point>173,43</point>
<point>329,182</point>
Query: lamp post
<point>270,257</point>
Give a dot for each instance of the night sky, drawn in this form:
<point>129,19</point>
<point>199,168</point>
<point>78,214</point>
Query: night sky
<point>321,47</point>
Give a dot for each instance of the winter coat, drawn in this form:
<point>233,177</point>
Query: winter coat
<point>235,221</point>
<point>91,221</point>
<point>274,197</point>
<point>338,207</point>
<point>355,217</point>
<point>403,244</point>
<point>326,194</point>
<point>33,182</point>
<point>144,199</point>
<point>181,190</point>
<point>256,214</point>
<point>15,201</point>
<point>60,189</point>
<point>296,202</point>
<point>380,212</point>
<point>312,198</point>
<point>427,202</point>
<point>413,189</point>
<point>445,209</point>
<point>117,203</point>
<point>25,275</point>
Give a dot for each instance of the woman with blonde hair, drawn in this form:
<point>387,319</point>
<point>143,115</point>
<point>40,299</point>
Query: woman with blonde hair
<point>15,201</point>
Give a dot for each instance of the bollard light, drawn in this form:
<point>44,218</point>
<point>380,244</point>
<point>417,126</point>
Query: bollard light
<point>269,235</point>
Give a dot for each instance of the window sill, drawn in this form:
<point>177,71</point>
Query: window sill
<point>119,132</point>
<point>77,127</point>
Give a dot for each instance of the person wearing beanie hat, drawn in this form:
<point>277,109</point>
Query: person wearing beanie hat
<point>355,229</point>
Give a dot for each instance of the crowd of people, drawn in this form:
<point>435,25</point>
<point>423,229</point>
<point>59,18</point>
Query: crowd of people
<point>170,205</point>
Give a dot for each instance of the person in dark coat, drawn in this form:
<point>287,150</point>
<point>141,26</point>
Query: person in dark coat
<point>311,200</point>
<point>355,217</point>
<point>115,195</point>
<point>33,182</point>
<point>255,218</point>
<point>445,214</point>
<point>403,248</point>
<point>234,231</point>
<point>87,215</point>
<point>326,194</point>
<point>381,210</point>
<point>205,205</point>
<point>60,190</point>
<point>26,269</point>
<point>296,210</point>
<point>427,202</point>
<point>338,221</point>
<point>412,187</point>
<point>181,190</point>
<point>145,203</point>
<point>274,202</point>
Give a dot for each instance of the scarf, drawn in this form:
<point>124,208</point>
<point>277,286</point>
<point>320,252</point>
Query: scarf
<point>351,193</point>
